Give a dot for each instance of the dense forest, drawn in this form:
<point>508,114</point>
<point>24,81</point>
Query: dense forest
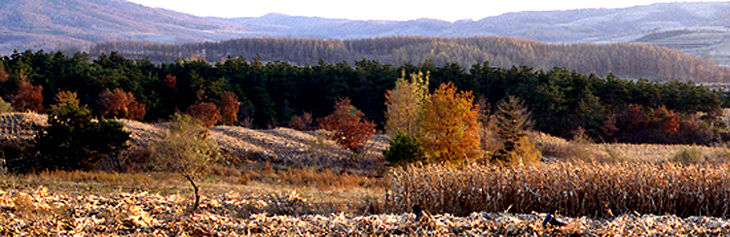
<point>271,93</point>
<point>626,60</point>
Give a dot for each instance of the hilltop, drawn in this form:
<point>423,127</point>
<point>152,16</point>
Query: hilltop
<point>700,29</point>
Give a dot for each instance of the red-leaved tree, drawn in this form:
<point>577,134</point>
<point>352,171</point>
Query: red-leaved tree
<point>348,126</point>
<point>206,112</point>
<point>28,98</point>
<point>120,104</point>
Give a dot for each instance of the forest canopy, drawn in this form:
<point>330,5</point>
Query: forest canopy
<point>626,60</point>
<point>269,94</point>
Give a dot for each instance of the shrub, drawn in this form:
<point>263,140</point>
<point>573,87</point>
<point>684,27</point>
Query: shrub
<point>206,112</point>
<point>72,141</point>
<point>689,155</point>
<point>348,126</point>
<point>186,148</point>
<point>404,149</point>
<point>5,107</point>
<point>301,123</point>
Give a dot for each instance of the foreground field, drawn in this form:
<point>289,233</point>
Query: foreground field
<point>286,182</point>
<point>39,212</point>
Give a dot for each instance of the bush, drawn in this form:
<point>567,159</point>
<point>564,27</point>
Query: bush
<point>72,141</point>
<point>404,149</point>
<point>348,126</point>
<point>5,107</point>
<point>689,156</point>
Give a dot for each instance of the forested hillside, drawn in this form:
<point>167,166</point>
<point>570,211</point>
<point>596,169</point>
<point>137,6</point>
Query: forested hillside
<point>271,93</point>
<point>622,59</point>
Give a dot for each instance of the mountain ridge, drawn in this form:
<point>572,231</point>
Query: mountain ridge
<point>79,24</point>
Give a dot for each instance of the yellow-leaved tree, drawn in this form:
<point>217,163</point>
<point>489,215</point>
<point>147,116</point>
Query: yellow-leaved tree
<point>404,104</point>
<point>449,126</point>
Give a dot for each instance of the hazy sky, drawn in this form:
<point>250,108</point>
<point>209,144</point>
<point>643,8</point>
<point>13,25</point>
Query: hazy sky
<point>449,10</point>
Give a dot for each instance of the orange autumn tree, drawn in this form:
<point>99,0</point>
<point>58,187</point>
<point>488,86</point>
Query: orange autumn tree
<point>206,112</point>
<point>348,126</point>
<point>229,108</point>
<point>28,97</point>
<point>449,126</point>
<point>120,104</point>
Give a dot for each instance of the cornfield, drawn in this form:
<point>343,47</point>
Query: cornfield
<point>575,189</point>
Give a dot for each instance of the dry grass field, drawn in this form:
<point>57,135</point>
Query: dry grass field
<point>285,182</point>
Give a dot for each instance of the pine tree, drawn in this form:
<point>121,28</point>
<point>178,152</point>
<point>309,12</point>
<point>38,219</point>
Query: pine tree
<point>513,121</point>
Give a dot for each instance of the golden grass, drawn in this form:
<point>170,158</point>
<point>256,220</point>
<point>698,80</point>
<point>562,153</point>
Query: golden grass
<point>566,150</point>
<point>576,189</point>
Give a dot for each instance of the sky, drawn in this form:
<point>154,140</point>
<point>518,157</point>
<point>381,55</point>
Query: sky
<point>449,10</point>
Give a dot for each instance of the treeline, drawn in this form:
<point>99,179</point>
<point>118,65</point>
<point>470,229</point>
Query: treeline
<point>623,59</point>
<point>561,101</point>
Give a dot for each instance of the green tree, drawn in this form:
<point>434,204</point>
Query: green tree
<point>513,121</point>
<point>186,148</point>
<point>404,149</point>
<point>72,140</point>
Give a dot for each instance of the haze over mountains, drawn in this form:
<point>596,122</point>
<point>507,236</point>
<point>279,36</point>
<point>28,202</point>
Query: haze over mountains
<point>702,29</point>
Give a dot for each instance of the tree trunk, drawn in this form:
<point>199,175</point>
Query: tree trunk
<point>195,190</point>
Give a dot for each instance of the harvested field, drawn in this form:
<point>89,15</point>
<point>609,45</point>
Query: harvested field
<point>283,182</point>
<point>39,212</point>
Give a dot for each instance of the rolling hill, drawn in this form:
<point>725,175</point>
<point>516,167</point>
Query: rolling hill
<point>58,24</point>
<point>701,29</point>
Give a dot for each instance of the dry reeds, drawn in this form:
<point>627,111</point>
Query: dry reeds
<point>576,189</point>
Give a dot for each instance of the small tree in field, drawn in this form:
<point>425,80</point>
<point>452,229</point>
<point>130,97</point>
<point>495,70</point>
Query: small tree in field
<point>348,125</point>
<point>449,127</point>
<point>120,104</point>
<point>513,121</point>
<point>206,112</point>
<point>188,149</point>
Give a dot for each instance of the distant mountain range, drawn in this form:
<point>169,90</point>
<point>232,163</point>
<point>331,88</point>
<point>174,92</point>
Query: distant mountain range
<point>701,29</point>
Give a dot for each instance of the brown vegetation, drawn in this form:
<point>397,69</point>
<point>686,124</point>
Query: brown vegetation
<point>348,126</point>
<point>28,98</point>
<point>206,112</point>
<point>576,189</point>
<point>120,104</point>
